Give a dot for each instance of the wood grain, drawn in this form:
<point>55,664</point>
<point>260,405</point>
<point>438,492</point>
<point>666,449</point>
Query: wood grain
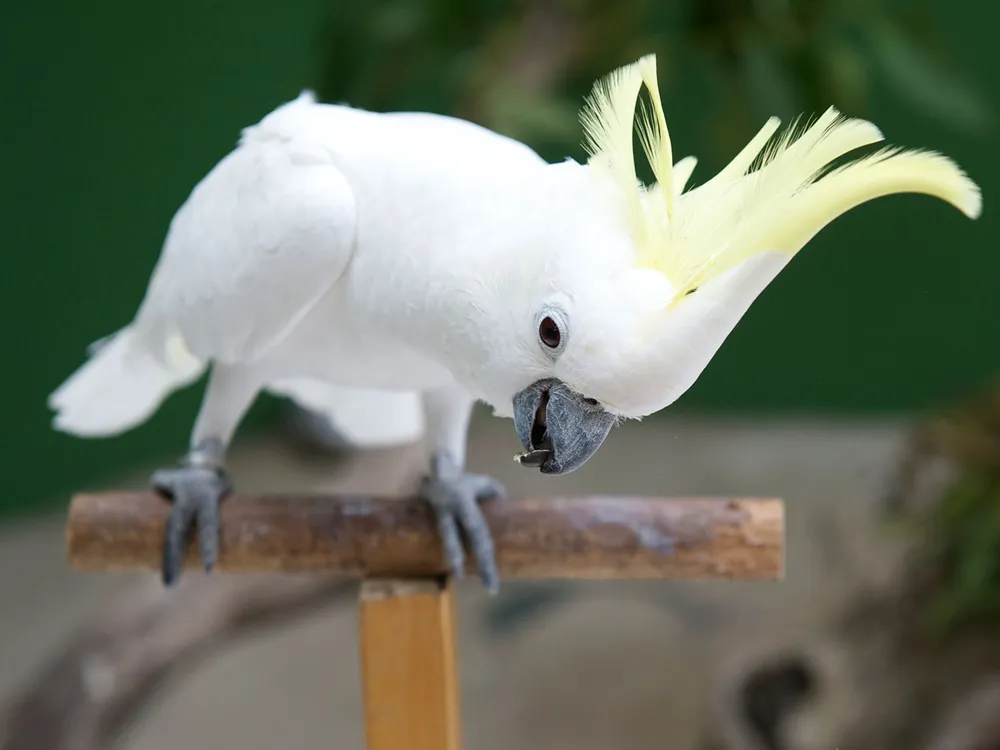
<point>363,537</point>
<point>409,671</point>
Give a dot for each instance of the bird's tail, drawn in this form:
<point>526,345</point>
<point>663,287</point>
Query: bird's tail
<point>121,385</point>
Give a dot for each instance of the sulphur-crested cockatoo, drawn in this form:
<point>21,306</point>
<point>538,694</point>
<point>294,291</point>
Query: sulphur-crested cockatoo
<point>420,254</point>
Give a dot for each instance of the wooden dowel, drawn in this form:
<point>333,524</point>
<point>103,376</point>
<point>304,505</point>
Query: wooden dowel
<point>362,537</point>
<point>409,673</point>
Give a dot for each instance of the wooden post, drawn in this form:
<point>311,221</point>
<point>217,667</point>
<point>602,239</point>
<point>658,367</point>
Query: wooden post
<point>408,665</point>
<point>407,632</point>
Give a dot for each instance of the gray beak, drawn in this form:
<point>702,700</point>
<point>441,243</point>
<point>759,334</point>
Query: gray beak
<point>559,428</point>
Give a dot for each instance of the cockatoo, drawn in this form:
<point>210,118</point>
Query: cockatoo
<point>420,254</point>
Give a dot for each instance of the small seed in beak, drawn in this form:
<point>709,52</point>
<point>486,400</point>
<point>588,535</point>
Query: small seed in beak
<point>533,458</point>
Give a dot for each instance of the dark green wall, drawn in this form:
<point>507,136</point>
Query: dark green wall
<point>113,111</point>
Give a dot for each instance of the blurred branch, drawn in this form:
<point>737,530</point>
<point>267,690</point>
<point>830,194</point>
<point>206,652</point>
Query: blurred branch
<point>107,674</point>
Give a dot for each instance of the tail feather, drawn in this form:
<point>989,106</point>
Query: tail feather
<point>120,386</point>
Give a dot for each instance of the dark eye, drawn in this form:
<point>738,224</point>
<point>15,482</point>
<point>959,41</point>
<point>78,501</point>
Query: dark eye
<point>549,333</point>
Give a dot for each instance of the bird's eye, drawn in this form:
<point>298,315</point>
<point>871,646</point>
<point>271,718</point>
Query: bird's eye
<point>552,330</point>
<point>549,333</point>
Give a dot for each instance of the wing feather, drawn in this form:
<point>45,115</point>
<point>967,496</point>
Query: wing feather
<point>260,240</point>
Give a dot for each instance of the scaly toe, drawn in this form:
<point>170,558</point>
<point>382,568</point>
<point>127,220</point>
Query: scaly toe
<point>456,502</point>
<point>195,493</point>
<point>477,531</point>
<point>452,543</point>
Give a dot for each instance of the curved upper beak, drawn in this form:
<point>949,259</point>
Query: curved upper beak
<point>559,428</point>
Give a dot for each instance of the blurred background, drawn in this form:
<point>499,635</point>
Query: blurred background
<point>860,387</point>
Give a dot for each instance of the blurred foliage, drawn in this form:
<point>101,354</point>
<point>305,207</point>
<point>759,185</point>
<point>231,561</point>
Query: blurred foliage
<point>784,57</point>
<point>961,525</point>
<point>523,68</point>
<point>966,528</point>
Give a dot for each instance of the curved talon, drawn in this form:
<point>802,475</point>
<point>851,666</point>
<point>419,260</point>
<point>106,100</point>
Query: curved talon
<point>452,543</point>
<point>195,492</point>
<point>456,499</point>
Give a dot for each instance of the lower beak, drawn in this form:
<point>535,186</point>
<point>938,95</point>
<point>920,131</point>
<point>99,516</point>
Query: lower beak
<point>559,428</point>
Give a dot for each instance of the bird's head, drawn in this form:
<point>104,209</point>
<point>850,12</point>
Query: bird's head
<point>620,315</point>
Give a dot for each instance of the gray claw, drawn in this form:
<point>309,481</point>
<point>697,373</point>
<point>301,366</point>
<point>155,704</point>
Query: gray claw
<point>456,499</point>
<point>195,493</point>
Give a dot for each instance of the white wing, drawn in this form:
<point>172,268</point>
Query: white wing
<point>259,241</point>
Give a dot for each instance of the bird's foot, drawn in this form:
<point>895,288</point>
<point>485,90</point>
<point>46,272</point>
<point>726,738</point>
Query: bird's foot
<point>195,490</point>
<point>455,497</point>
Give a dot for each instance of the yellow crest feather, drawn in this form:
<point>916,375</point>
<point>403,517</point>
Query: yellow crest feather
<point>608,120</point>
<point>774,195</point>
<point>792,194</point>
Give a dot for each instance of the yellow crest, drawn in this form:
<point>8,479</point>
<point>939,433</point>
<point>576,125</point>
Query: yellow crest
<point>608,120</point>
<point>773,196</point>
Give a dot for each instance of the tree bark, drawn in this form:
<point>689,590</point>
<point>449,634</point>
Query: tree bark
<point>360,536</point>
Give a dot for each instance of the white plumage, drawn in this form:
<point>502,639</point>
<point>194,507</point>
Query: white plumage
<point>254,269</point>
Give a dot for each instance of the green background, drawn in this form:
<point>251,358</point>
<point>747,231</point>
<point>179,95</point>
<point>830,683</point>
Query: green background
<point>113,111</point>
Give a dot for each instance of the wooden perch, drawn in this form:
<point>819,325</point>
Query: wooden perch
<point>372,537</point>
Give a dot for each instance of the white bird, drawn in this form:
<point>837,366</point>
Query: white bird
<point>420,254</point>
